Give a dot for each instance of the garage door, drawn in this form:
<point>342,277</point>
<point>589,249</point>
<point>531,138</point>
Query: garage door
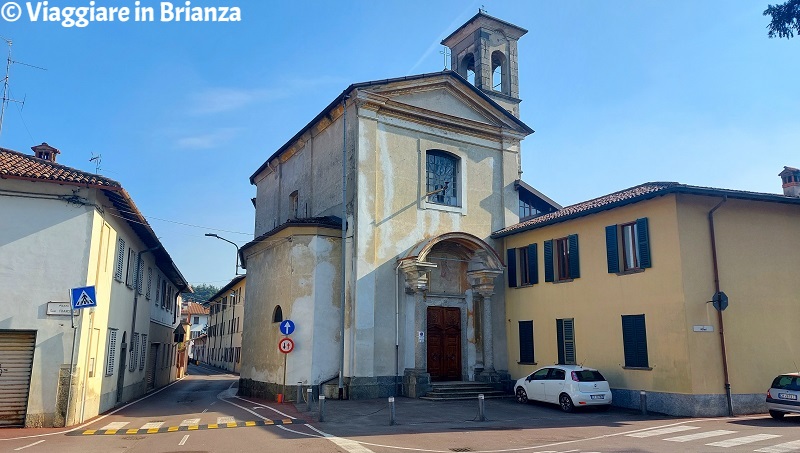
<point>16,361</point>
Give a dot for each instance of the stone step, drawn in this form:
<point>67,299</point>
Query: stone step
<point>455,398</point>
<point>435,394</point>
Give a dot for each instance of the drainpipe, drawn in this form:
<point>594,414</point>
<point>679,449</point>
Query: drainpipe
<point>719,312</point>
<point>233,316</point>
<point>344,240</point>
<point>397,322</point>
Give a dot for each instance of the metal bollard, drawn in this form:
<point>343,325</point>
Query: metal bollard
<point>481,409</point>
<point>310,396</point>
<point>391,410</point>
<point>322,408</point>
<point>299,394</point>
<point>643,402</point>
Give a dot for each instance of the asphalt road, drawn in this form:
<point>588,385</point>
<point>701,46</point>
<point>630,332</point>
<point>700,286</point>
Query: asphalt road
<point>202,414</point>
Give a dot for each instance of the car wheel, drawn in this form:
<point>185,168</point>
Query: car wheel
<point>566,403</point>
<point>776,415</point>
<point>522,396</point>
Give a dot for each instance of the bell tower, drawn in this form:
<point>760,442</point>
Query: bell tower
<point>484,52</point>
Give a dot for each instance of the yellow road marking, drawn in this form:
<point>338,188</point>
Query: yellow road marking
<point>111,431</point>
<point>193,427</point>
<point>249,423</point>
<point>132,431</point>
<point>172,429</point>
<point>213,426</point>
<point>89,432</point>
<point>152,430</point>
<point>288,421</point>
<point>268,422</point>
<point>232,425</point>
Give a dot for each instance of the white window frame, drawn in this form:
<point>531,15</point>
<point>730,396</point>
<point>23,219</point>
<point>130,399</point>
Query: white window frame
<point>461,176</point>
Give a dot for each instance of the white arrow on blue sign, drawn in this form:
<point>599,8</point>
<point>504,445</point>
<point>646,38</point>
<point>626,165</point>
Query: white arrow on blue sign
<point>83,297</point>
<point>287,327</point>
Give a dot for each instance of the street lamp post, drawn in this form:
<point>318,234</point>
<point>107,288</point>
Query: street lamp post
<point>236,272</point>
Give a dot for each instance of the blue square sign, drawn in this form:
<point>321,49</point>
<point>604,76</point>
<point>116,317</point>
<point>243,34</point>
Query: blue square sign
<point>83,297</point>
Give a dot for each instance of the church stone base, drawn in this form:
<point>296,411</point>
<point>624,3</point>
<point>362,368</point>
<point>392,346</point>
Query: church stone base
<point>416,383</point>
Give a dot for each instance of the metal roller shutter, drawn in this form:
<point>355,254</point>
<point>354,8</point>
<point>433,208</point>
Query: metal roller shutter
<point>16,361</point>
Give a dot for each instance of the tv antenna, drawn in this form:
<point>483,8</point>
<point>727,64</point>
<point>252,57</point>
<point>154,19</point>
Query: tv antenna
<point>6,98</point>
<point>96,159</point>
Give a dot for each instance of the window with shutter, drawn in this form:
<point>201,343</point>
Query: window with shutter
<point>565,337</point>
<point>144,352</point>
<point>526,342</point>
<point>134,351</point>
<point>511,255</point>
<point>634,341</point>
<point>628,246</point>
<point>140,276</point>
<point>111,354</point>
<point>149,282</point>
<point>549,274</point>
<point>120,265</point>
<point>129,269</point>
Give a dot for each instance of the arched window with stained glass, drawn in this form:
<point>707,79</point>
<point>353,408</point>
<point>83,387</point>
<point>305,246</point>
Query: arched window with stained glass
<point>442,178</point>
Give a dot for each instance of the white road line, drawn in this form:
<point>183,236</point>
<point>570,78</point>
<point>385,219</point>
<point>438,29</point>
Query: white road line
<point>347,444</point>
<point>743,440</point>
<point>183,441</point>
<point>781,448</point>
<point>204,411</point>
<point>703,435</point>
<point>115,425</point>
<point>224,420</point>
<point>662,431</point>
<point>190,421</point>
<point>31,445</point>
<point>152,425</point>
<point>265,407</point>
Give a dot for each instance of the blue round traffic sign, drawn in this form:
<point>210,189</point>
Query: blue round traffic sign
<point>287,327</point>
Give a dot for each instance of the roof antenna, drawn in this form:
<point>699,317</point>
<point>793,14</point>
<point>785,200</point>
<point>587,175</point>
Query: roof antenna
<point>6,99</point>
<point>96,159</point>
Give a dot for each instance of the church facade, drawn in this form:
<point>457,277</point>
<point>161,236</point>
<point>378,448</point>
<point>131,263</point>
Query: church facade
<point>373,231</point>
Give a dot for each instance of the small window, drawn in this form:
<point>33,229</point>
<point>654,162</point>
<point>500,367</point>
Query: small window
<point>634,241</point>
<point>565,338</point>
<point>634,340</point>
<point>294,201</point>
<point>196,320</point>
<point>526,342</point>
<point>277,315</point>
<point>523,266</point>
<point>442,178</point>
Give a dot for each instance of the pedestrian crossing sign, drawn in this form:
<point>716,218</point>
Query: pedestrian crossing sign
<point>83,297</point>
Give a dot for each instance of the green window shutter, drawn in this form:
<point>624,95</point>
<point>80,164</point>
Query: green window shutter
<point>569,341</point>
<point>533,263</point>
<point>526,342</point>
<point>634,340</point>
<point>512,267</point>
<point>644,242</point>
<point>548,261</point>
<point>574,261</point>
<point>560,340</point>
<point>612,251</point>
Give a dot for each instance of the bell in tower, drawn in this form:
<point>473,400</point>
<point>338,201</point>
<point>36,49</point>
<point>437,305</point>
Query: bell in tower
<point>484,52</point>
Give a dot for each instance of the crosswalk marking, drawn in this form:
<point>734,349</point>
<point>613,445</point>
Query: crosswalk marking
<point>781,448</point>
<point>225,420</point>
<point>703,435</point>
<point>190,421</point>
<point>662,431</point>
<point>743,440</point>
<point>152,425</point>
<point>115,425</point>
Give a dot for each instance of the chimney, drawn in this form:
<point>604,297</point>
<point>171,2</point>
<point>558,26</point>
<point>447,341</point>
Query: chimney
<point>45,151</point>
<point>791,181</point>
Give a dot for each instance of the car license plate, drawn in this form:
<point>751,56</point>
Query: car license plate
<point>784,396</point>
<point>598,397</point>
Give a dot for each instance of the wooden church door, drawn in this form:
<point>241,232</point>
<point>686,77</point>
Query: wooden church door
<point>444,343</point>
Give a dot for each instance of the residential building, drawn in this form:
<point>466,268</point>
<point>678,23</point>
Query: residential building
<point>629,283</point>
<point>196,315</point>
<point>226,318</point>
<point>63,228</point>
<point>372,231</point>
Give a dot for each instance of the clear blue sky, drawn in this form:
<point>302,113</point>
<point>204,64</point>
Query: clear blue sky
<point>619,93</point>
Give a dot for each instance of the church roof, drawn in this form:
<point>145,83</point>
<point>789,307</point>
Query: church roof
<point>487,19</point>
<point>635,194</point>
<point>336,102</point>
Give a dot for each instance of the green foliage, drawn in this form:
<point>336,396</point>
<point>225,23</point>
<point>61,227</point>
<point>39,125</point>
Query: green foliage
<point>202,293</point>
<point>785,19</point>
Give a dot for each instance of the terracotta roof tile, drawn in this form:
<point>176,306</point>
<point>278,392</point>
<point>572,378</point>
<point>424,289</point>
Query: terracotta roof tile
<point>18,165</point>
<point>195,309</point>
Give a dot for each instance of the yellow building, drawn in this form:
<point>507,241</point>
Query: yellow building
<point>624,283</point>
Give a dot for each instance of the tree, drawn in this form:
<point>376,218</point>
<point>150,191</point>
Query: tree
<point>785,19</point>
<point>202,293</point>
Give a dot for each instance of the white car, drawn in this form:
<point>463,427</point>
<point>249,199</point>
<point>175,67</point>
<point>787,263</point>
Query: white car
<point>569,386</point>
<point>784,395</point>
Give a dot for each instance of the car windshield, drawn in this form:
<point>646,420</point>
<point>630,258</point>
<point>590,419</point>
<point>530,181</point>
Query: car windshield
<point>589,376</point>
<point>786,383</point>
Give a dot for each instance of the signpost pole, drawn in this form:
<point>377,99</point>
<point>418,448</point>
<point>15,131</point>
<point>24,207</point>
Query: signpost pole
<point>284,378</point>
<point>71,364</point>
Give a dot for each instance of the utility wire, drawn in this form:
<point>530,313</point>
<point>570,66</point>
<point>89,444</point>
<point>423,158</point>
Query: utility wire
<point>22,118</point>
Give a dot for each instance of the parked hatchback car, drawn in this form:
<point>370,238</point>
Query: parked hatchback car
<point>569,386</point>
<point>784,395</point>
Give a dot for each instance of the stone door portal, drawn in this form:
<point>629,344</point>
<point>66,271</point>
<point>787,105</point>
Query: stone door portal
<point>444,343</point>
